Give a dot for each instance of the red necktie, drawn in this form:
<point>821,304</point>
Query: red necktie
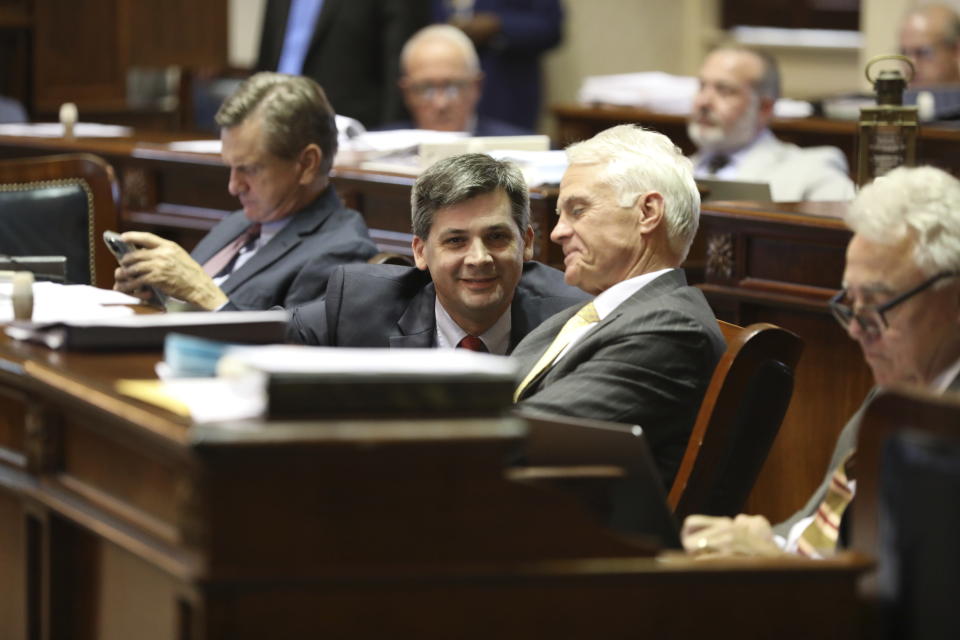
<point>223,258</point>
<point>473,343</point>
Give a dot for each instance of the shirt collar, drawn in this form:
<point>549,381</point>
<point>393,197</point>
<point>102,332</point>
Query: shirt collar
<point>942,382</point>
<point>449,333</point>
<point>613,297</point>
<point>729,170</point>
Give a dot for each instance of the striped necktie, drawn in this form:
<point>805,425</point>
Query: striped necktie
<point>820,536</point>
<point>586,315</point>
<point>225,257</point>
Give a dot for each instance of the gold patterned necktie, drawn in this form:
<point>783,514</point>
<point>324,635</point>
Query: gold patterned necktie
<point>586,315</point>
<point>820,537</point>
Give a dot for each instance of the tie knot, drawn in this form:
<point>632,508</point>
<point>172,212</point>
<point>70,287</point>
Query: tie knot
<point>588,313</point>
<point>473,343</point>
<point>717,162</point>
<point>252,233</point>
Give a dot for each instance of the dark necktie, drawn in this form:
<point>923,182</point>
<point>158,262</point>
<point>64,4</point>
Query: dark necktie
<point>717,162</point>
<point>225,257</point>
<point>473,343</point>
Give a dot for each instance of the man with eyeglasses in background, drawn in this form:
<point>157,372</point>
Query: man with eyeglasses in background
<point>901,302</point>
<point>442,82</point>
<point>930,37</point>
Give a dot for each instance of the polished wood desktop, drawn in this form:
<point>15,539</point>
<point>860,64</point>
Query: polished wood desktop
<point>121,520</point>
<point>937,144</point>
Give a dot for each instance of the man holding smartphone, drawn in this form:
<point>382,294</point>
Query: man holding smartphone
<point>279,139</point>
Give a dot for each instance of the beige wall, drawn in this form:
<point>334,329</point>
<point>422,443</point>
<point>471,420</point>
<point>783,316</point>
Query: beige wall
<point>620,36</point>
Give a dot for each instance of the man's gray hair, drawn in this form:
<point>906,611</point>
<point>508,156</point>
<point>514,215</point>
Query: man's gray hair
<point>457,179</point>
<point>768,84</point>
<point>442,32</point>
<point>918,202</point>
<point>295,113</point>
<point>944,16</point>
<point>637,161</point>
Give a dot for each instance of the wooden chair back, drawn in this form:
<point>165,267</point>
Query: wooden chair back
<point>906,512</point>
<point>738,420</point>
<point>61,205</point>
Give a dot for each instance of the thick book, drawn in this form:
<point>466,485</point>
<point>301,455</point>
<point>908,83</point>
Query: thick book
<point>148,331</point>
<point>330,382</point>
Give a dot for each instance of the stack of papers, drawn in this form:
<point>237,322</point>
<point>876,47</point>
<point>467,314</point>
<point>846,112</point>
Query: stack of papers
<point>664,93</point>
<point>53,302</point>
<point>540,168</point>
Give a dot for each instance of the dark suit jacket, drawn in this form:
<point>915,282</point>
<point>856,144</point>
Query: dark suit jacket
<point>354,53</point>
<point>647,363</point>
<point>392,306</point>
<point>294,266</point>
<point>485,127</point>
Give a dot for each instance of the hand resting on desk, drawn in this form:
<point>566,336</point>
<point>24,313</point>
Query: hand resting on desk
<point>710,536</point>
<point>165,265</point>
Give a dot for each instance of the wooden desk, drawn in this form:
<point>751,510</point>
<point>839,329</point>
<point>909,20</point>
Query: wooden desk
<point>781,263</point>
<point>180,196</point>
<point>937,144</point>
<point>784,262</point>
<point>118,520</point>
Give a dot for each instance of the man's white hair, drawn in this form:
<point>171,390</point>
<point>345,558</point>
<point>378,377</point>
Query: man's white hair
<point>446,32</point>
<point>638,161</point>
<point>918,202</point>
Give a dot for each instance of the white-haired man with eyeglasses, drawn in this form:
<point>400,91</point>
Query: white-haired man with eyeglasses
<point>901,302</point>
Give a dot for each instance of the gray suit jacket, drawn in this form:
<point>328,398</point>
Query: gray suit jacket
<point>647,363</point>
<point>795,173</point>
<point>294,266</point>
<point>392,306</point>
<point>846,442</point>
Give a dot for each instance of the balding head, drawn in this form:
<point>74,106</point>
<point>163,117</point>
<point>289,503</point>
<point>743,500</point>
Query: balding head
<point>930,37</point>
<point>441,78</point>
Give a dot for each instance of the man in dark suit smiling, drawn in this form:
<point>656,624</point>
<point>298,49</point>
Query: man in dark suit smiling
<point>472,287</point>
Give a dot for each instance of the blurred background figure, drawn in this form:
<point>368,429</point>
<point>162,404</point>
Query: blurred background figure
<point>930,37</point>
<point>510,37</point>
<point>11,111</point>
<point>442,84</point>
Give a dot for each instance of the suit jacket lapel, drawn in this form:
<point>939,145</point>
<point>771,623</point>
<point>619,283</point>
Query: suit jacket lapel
<point>303,223</point>
<point>671,280</point>
<point>221,236</point>
<point>416,328</point>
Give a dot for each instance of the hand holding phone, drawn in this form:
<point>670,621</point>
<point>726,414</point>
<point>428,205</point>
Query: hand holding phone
<point>119,248</point>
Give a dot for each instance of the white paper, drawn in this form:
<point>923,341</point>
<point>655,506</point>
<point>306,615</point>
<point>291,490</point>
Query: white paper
<point>196,146</point>
<point>54,302</point>
<point>55,130</point>
<point>216,399</point>
<point>343,361</point>
<point>539,167</point>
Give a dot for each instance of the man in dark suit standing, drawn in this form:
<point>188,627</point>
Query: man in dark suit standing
<point>279,139</point>
<point>350,47</point>
<point>644,350</point>
<point>471,287</point>
<point>442,84</point>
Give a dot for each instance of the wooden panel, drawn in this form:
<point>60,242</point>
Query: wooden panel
<point>13,575</point>
<point>177,32</point>
<point>779,264</point>
<point>13,424</point>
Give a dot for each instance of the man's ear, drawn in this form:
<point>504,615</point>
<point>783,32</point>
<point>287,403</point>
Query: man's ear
<point>310,159</point>
<point>650,207</point>
<point>528,243</point>
<point>765,111</point>
<point>418,253</point>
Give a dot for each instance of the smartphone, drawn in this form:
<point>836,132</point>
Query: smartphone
<point>119,248</point>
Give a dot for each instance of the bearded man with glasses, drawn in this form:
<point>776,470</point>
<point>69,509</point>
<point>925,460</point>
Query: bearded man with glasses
<point>901,302</point>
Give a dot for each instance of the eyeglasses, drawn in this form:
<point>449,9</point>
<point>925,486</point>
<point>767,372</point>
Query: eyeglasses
<point>871,319</point>
<point>450,89</point>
